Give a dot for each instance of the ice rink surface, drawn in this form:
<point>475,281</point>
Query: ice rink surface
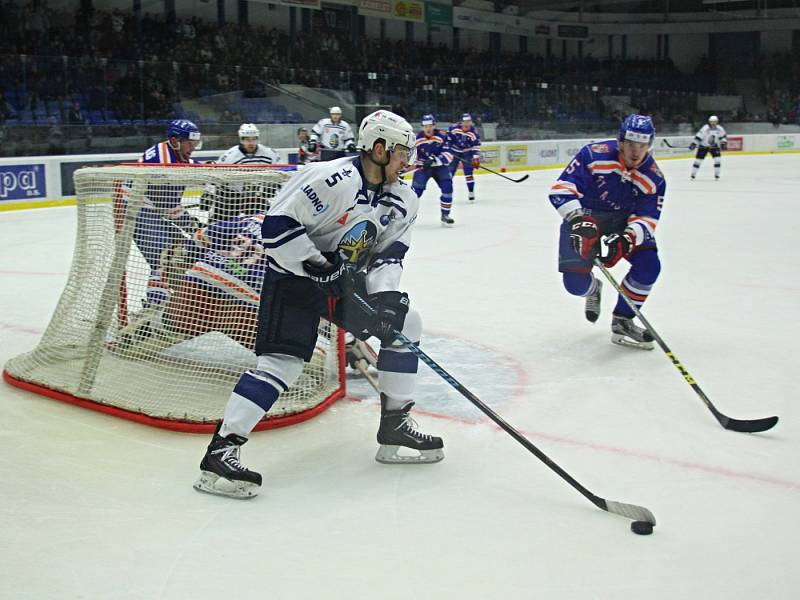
<point>99,508</point>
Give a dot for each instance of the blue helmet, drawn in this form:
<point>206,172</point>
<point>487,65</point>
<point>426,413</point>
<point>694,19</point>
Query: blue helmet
<point>183,130</point>
<point>637,128</point>
<point>428,120</point>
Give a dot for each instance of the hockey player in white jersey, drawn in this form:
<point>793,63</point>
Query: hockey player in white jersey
<point>710,139</point>
<point>249,151</point>
<point>225,202</point>
<point>336,228</point>
<point>332,136</point>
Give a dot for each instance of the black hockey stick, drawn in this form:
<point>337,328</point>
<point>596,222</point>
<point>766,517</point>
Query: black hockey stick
<point>631,511</point>
<point>511,179</point>
<point>746,426</point>
<point>668,145</point>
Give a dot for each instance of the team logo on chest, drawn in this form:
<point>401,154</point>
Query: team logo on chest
<point>358,241</point>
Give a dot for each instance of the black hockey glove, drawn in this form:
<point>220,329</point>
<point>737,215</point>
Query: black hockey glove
<point>334,279</point>
<point>692,146</point>
<point>615,247</point>
<point>391,309</point>
<point>351,147</point>
<point>312,146</point>
<point>584,234</point>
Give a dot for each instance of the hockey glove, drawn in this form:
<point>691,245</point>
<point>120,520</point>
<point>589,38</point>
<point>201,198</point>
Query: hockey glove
<point>334,279</point>
<point>476,162</point>
<point>692,146</point>
<point>724,145</point>
<point>351,147</point>
<point>616,246</point>
<point>584,234</point>
<point>312,146</point>
<point>390,309</point>
<point>432,161</point>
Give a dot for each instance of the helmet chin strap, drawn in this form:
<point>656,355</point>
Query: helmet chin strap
<point>381,165</point>
<point>177,148</point>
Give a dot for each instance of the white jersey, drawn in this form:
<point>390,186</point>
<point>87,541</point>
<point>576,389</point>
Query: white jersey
<point>237,156</point>
<point>711,137</point>
<point>327,207</point>
<point>332,136</point>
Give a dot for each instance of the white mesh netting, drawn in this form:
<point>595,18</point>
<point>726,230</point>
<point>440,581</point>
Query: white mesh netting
<point>158,317</point>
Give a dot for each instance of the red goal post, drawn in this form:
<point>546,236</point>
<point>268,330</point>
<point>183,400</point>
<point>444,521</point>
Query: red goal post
<point>172,364</point>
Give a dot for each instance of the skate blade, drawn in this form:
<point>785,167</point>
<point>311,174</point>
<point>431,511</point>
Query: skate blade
<point>211,483</point>
<point>623,340</point>
<point>448,225</point>
<point>390,455</point>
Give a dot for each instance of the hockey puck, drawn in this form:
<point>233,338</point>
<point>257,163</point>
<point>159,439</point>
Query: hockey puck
<point>642,527</point>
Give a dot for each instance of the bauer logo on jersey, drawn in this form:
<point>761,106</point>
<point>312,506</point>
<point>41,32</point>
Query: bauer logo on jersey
<point>319,206</point>
<point>358,241</point>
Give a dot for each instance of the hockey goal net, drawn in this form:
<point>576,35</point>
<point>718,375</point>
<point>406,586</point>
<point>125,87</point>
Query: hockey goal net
<point>158,317</point>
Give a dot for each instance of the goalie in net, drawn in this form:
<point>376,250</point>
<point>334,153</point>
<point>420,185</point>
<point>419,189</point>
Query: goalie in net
<point>171,363</point>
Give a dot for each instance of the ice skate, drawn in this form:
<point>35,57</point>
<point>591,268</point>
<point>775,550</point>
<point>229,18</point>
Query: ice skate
<point>222,474</point>
<point>592,307</point>
<point>471,197</point>
<point>398,431</point>
<point>447,220</point>
<point>626,333</point>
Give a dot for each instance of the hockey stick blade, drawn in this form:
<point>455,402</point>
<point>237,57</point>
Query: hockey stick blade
<point>746,425</point>
<point>631,511</point>
<point>741,425</point>
<point>668,145</point>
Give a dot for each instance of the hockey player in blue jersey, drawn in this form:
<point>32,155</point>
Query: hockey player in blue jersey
<point>161,221</point>
<point>433,161</point>
<point>465,145</point>
<point>610,198</point>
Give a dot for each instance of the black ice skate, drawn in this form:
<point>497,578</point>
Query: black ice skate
<point>625,333</point>
<point>471,197</point>
<point>447,220</point>
<point>221,472</point>
<point>592,308</point>
<point>397,430</point>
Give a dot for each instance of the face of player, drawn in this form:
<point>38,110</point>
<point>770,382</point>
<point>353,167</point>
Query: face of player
<point>428,130</point>
<point>184,147</point>
<point>336,117</point>
<point>633,153</point>
<point>399,159</point>
<point>466,124</point>
<point>249,144</point>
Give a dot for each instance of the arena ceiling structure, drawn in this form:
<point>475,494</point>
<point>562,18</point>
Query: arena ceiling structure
<point>756,8</point>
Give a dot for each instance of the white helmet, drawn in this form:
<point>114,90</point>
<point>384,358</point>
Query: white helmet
<point>335,110</point>
<point>248,130</point>
<point>713,120</point>
<point>385,125</point>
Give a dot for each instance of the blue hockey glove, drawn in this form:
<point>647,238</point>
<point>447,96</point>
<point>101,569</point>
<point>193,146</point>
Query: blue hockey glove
<point>335,279</point>
<point>391,309</point>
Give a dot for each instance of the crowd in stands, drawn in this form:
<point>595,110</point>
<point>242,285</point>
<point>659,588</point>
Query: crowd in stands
<point>70,65</point>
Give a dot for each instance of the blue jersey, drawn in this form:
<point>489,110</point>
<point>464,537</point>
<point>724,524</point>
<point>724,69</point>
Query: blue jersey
<point>463,142</point>
<point>436,146</point>
<point>162,153</point>
<point>597,180</point>
<point>162,197</point>
<point>229,258</point>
